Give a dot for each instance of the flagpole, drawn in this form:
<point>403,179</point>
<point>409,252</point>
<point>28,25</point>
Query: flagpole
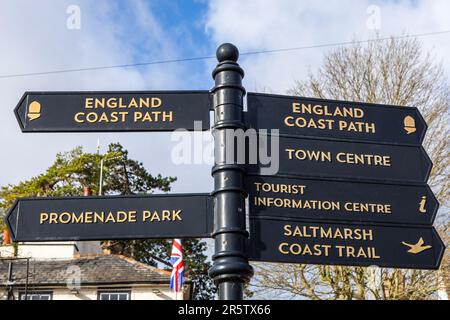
<point>176,259</point>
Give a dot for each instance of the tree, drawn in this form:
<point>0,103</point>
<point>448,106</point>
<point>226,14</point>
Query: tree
<point>74,170</point>
<point>394,72</point>
<point>2,222</point>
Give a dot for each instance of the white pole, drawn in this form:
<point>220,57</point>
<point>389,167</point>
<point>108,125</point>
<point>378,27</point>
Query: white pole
<point>102,161</point>
<point>101,179</point>
<point>98,145</point>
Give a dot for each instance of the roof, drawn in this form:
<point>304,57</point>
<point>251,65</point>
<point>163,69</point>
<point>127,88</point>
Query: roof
<point>94,270</point>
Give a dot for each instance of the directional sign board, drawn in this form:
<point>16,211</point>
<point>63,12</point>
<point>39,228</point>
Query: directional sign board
<point>350,161</point>
<point>344,244</point>
<point>113,111</point>
<point>317,118</point>
<point>340,201</point>
<point>111,218</point>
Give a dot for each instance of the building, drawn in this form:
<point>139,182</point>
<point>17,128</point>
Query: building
<point>95,277</point>
<point>79,271</point>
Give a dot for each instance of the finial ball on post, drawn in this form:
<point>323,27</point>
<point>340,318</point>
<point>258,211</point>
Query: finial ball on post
<point>227,52</point>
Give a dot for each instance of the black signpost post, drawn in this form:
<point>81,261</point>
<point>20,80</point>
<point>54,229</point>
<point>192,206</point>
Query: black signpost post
<point>231,268</point>
<point>350,189</point>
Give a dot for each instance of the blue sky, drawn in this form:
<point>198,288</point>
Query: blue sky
<point>181,21</point>
<point>35,38</point>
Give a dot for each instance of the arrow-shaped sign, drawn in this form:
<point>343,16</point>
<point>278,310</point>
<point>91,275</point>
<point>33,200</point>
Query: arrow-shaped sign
<point>113,111</point>
<point>111,218</point>
<point>341,201</point>
<point>346,161</point>
<point>275,240</point>
<point>340,120</point>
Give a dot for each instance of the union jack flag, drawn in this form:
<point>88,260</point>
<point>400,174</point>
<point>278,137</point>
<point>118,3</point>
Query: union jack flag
<point>176,259</point>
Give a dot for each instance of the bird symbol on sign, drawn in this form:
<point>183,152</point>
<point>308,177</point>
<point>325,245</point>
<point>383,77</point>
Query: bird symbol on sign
<point>418,247</point>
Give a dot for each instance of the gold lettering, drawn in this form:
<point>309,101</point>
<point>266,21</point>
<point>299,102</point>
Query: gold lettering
<point>156,102</point>
<point>77,117</point>
<point>177,215</point>
<point>88,103</point>
<point>363,159</point>
<point>310,155</point>
<point>43,217</point>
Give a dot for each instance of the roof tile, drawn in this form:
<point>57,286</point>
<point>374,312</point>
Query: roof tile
<point>100,269</point>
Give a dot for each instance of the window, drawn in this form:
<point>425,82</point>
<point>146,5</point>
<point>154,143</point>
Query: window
<point>36,296</point>
<point>114,295</point>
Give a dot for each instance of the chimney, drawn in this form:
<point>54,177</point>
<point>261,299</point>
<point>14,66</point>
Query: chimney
<point>6,237</point>
<point>87,192</point>
<point>88,248</point>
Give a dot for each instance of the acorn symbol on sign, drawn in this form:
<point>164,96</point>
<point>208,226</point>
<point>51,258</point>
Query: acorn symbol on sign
<point>34,111</point>
<point>410,125</point>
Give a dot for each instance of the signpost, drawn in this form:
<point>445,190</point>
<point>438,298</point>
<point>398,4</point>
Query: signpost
<point>336,120</point>
<point>113,111</point>
<point>318,200</point>
<point>351,161</point>
<point>111,218</point>
<point>350,189</point>
<point>344,244</point>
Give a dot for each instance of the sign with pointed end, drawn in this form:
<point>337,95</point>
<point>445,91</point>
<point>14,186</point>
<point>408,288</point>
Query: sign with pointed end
<point>349,161</point>
<point>339,201</point>
<point>113,111</point>
<point>275,240</point>
<point>111,218</point>
<point>336,120</point>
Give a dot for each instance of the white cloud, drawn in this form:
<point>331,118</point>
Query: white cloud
<point>265,24</point>
<point>35,38</point>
